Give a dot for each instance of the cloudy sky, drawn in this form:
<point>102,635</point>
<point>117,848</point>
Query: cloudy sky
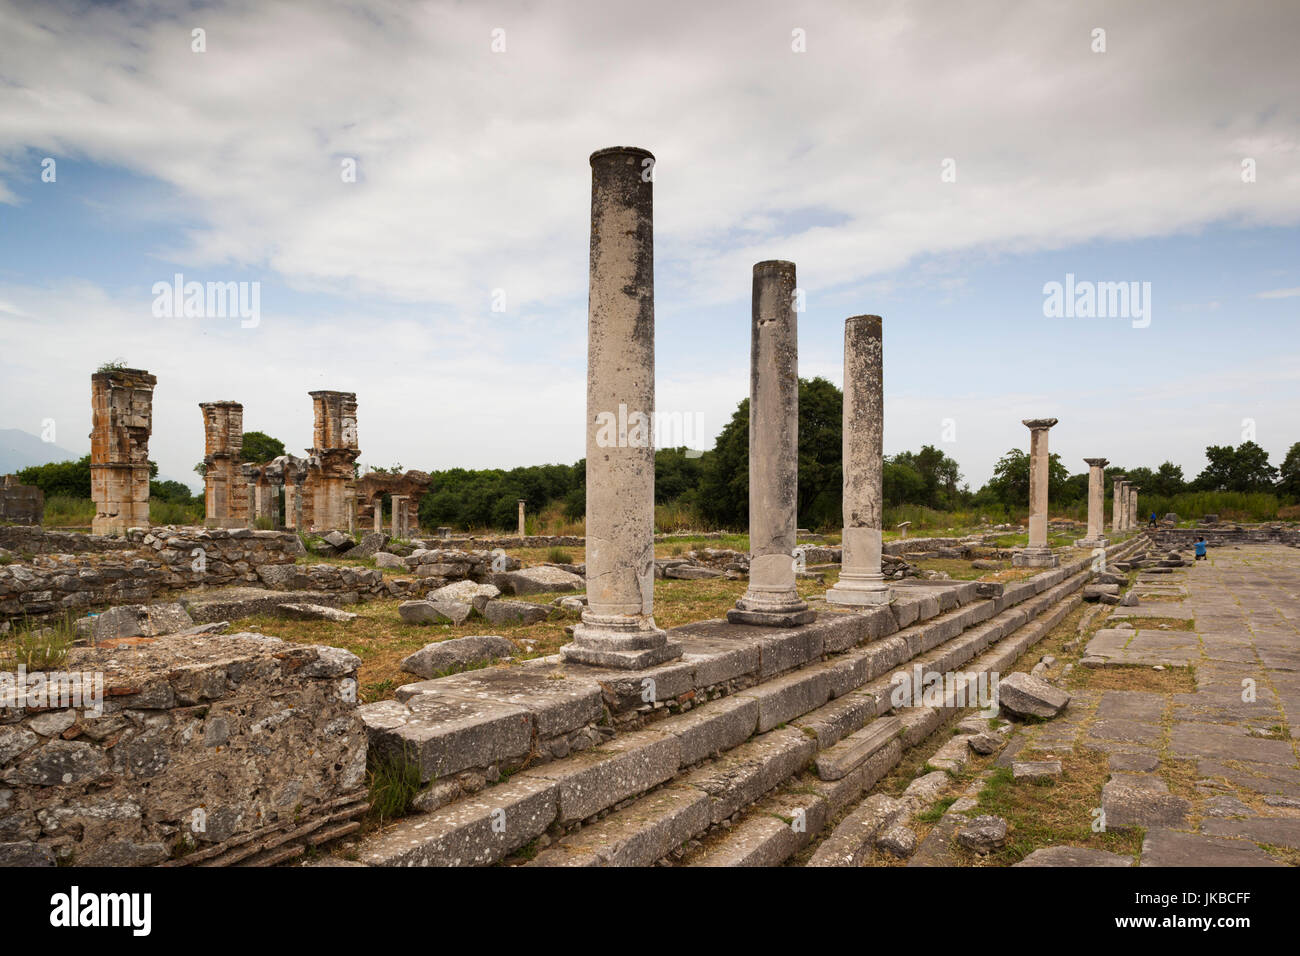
<point>934,163</point>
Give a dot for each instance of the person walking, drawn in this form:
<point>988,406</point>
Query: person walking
<point>1200,549</point>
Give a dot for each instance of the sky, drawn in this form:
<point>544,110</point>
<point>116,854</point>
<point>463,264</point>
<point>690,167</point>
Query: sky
<point>406,186</point>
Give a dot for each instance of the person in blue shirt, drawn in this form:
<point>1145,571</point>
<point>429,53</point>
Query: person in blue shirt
<point>1153,519</point>
<point>1200,549</point>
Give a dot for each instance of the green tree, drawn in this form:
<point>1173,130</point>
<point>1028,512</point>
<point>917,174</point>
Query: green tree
<point>260,447</point>
<point>1289,483</point>
<point>70,478</point>
<point>1010,481</point>
<point>939,475</point>
<point>1244,468</point>
<point>1167,481</point>
<point>901,484</point>
<point>724,473</point>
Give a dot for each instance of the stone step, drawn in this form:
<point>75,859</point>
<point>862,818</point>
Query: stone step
<point>778,824</point>
<point>733,750</point>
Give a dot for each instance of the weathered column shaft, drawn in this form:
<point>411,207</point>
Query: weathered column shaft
<point>862,443</point>
<point>617,628</point>
<point>378,514</point>
<point>1038,554</point>
<point>772,597</point>
<point>522,532</point>
<point>1096,503</point>
<point>1133,520</point>
<point>1117,505</point>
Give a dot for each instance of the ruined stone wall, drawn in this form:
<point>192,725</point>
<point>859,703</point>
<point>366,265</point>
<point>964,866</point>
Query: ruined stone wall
<point>19,503</point>
<point>121,422</point>
<point>201,740</point>
<point>1184,538</point>
<point>152,562</point>
<point>24,540</point>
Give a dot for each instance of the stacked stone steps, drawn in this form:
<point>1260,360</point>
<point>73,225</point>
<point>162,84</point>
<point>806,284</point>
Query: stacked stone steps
<point>629,773</point>
<point>847,762</point>
<point>846,770</point>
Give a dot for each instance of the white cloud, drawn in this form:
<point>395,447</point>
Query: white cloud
<point>473,176</point>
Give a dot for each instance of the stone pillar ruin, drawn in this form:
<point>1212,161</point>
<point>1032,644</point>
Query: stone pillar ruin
<point>334,452</point>
<point>522,527</point>
<point>378,507</point>
<point>772,598</point>
<point>1096,504</point>
<point>121,422</point>
<point>618,628</point>
<point>399,516</point>
<point>1037,554</point>
<point>861,581</point>
<point>297,505</point>
<point>1117,506</point>
<point>251,488</point>
<point>1134,520</point>
<point>273,501</point>
<point>223,481</point>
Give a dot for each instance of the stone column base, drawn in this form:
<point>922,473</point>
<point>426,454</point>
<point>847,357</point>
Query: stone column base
<point>859,594</point>
<point>626,644</point>
<point>772,618</point>
<point>1035,559</point>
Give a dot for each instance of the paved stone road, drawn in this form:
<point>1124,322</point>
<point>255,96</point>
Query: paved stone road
<point>1235,726</point>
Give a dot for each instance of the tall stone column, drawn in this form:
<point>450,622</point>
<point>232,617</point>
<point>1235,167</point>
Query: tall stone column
<point>522,533</point>
<point>399,516</point>
<point>861,581</point>
<point>1134,520</point>
<point>772,598</point>
<point>1117,505</point>
<point>297,504</point>
<point>223,437</point>
<point>252,504</point>
<point>378,514</point>
<point>1038,554</point>
<point>121,422</point>
<point>618,628</point>
<point>1096,504</point>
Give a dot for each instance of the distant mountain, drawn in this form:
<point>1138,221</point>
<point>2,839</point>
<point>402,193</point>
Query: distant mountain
<point>20,449</point>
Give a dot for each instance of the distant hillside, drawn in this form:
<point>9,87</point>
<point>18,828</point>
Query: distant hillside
<point>20,449</point>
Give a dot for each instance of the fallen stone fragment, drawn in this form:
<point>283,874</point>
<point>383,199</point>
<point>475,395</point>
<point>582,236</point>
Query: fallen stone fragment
<point>539,580</point>
<point>985,743</point>
<point>389,561</point>
<point>421,612</point>
<point>515,612</point>
<point>1131,800</point>
<point>1074,856</point>
<point>984,834</point>
<point>440,656</point>
<point>1029,696</point>
<point>465,592</point>
<point>898,840</point>
<point>1035,770</point>
<point>314,612</point>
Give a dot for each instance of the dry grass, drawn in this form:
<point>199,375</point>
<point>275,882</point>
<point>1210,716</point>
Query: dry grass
<point>1051,813</point>
<point>381,640</point>
<point>1171,680</point>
